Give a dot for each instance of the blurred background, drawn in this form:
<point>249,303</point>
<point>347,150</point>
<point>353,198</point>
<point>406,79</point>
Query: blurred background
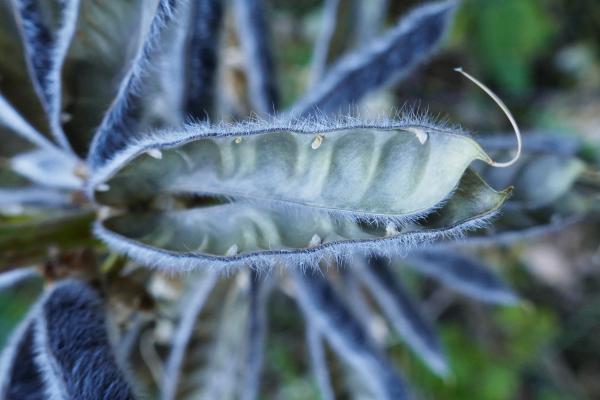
<point>542,57</point>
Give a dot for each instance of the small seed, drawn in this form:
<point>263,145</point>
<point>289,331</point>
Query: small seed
<point>421,135</point>
<point>238,140</point>
<point>155,153</point>
<point>317,142</point>
<point>232,251</point>
<point>103,187</point>
<point>315,241</point>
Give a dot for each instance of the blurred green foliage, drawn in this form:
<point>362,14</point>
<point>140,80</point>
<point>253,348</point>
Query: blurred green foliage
<point>14,303</point>
<point>506,37</point>
<point>489,368</point>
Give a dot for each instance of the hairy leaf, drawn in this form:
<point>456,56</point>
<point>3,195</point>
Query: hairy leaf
<point>107,36</point>
<point>72,346</point>
<point>19,375</point>
<point>232,234</point>
<point>314,342</point>
<point>160,97</point>
<point>219,379</point>
<point>382,171</point>
<point>322,306</point>
<point>18,200</point>
<point>370,19</point>
<point>15,84</point>
<point>14,277</point>
<point>356,298</point>
<point>12,122</point>
<point>48,168</point>
<point>404,313</point>
<point>381,62</point>
<point>20,196</point>
<point>323,43</point>
<point>47,29</point>
<point>260,66</point>
<point>257,331</point>
<point>13,144</point>
<point>190,311</point>
<point>201,63</point>
<point>118,126</point>
<point>337,35</point>
<point>463,274</point>
<point>11,179</point>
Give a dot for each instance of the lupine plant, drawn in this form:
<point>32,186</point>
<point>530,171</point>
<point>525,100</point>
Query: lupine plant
<point>162,234</point>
